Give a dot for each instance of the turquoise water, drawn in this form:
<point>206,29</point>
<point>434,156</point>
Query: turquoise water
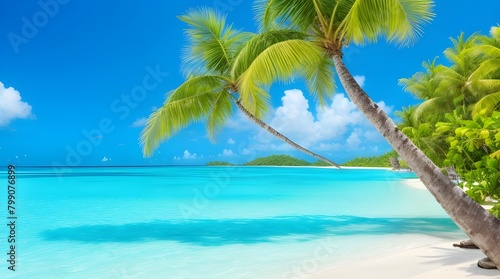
<point>213,222</point>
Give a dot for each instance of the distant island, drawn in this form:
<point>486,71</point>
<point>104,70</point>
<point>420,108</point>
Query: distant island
<point>286,160</point>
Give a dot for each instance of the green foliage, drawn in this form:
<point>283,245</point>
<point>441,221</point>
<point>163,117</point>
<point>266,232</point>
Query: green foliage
<point>346,22</point>
<point>376,161</point>
<point>474,149</point>
<point>469,87</point>
<point>495,210</point>
<point>219,163</point>
<point>286,160</point>
<point>278,160</point>
<point>458,123</point>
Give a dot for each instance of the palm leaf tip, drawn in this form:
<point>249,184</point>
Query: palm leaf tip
<point>149,138</point>
<point>400,21</point>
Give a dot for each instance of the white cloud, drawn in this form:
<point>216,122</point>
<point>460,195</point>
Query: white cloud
<point>226,153</point>
<point>360,80</point>
<point>189,156</point>
<point>177,158</point>
<point>387,109</point>
<point>105,159</point>
<point>294,119</point>
<point>338,126</point>
<point>354,140</point>
<point>140,122</point>
<point>231,141</point>
<point>11,106</point>
<point>246,151</point>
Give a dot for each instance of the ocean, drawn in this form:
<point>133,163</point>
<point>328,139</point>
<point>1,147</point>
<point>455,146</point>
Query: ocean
<point>212,222</point>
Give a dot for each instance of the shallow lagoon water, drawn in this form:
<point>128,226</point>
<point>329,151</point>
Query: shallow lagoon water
<point>214,222</point>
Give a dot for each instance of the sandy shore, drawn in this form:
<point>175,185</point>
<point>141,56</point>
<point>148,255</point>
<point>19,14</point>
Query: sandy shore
<point>435,261</point>
<point>441,261</point>
<point>415,183</point>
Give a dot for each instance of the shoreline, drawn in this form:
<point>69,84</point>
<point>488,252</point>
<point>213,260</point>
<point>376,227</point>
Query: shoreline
<point>439,260</point>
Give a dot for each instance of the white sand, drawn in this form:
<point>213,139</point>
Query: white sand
<point>436,261</point>
<point>441,261</point>
<point>415,183</point>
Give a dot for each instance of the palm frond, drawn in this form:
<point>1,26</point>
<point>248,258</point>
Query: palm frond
<point>484,87</point>
<point>407,116</point>
<point>221,111</point>
<point>259,43</point>
<point>423,84</point>
<point>212,44</point>
<point>487,104</point>
<point>486,69</point>
<point>190,102</point>
<point>300,13</point>
<point>484,80</point>
<point>197,85</point>
<point>399,21</point>
<point>284,62</point>
<point>320,80</point>
<point>488,50</point>
<point>422,112</point>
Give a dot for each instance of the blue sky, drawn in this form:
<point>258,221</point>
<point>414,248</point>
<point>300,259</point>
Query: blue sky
<point>78,79</point>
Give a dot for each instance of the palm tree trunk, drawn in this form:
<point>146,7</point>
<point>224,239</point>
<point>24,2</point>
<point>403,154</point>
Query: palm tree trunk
<point>482,227</point>
<point>282,137</point>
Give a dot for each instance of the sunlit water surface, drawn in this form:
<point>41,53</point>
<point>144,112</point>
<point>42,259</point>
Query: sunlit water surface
<point>213,222</point>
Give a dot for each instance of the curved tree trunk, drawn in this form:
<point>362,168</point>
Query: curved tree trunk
<point>281,136</point>
<point>482,227</point>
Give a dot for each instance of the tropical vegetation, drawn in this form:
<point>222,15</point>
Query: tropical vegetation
<point>278,160</point>
<point>458,122</point>
<point>287,160</point>
<point>383,160</point>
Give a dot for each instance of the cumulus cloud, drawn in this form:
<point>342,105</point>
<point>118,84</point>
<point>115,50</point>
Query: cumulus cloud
<point>226,153</point>
<point>354,140</point>
<point>295,119</point>
<point>188,156</point>
<point>338,126</point>
<point>11,106</point>
<point>360,80</point>
<point>105,159</point>
<point>231,141</point>
<point>139,122</point>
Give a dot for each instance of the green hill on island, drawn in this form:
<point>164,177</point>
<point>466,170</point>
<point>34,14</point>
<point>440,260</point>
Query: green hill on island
<point>286,160</point>
<point>375,161</point>
<point>278,160</point>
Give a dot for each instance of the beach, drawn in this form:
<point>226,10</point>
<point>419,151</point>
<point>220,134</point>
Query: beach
<point>433,261</point>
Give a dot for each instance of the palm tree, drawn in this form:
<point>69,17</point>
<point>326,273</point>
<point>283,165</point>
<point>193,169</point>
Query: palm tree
<point>470,86</point>
<point>486,80</point>
<point>427,86</point>
<point>472,81</point>
<point>334,24</point>
<point>218,62</point>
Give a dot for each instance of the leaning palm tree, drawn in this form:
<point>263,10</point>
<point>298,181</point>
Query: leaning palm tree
<point>217,62</point>
<point>333,25</point>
